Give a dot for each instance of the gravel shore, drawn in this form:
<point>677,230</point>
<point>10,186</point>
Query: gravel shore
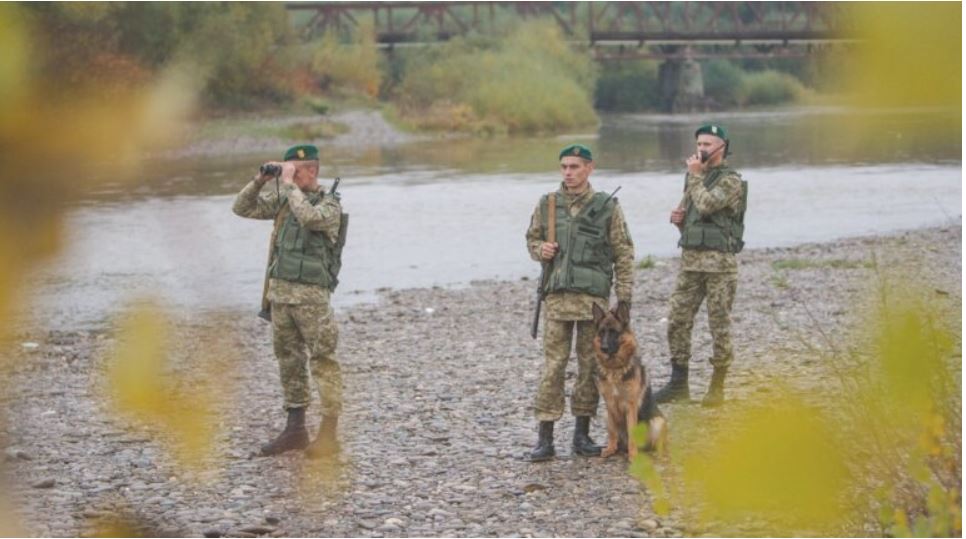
<point>439,384</point>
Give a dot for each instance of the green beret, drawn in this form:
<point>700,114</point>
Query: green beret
<point>712,129</point>
<point>577,150</point>
<point>303,152</point>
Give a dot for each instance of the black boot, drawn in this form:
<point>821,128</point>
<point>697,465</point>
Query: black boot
<point>326,443</point>
<point>715,396</point>
<point>583,445</point>
<point>293,437</point>
<point>677,388</point>
<point>544,450</point>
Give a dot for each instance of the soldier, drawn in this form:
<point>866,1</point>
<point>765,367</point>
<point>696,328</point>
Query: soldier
<point>711,220</point>
<point>593,250</point>
<point>302,273</point>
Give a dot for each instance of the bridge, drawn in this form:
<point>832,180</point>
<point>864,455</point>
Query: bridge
<point>615,30</point>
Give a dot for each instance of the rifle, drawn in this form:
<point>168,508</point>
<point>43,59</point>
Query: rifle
<point>266,312</point>
<point>545,266</point>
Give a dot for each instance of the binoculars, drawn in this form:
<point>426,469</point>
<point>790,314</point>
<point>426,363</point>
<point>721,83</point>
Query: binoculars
<point>270,170</point>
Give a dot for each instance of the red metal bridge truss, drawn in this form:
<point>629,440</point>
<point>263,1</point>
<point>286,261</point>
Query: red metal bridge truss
<point>615,30</point>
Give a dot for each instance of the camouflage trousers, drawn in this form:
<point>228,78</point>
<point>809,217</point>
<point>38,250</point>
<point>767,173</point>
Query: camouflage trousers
<point>692,288</point>
<point>305,337</point>
<point>557,340</point>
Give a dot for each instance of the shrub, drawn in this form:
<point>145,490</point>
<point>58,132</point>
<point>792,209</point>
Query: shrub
<point>351,67</point>
<point>530,81</point>
<point>770,88</point>
<point>724,82</point>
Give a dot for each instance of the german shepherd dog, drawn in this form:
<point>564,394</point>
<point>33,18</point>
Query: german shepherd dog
<point>622,382</point>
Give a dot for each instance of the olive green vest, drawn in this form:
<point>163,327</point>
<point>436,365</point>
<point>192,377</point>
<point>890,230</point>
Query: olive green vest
<point>585,261</point>
<point>307,256</point>
<point>723,230</point>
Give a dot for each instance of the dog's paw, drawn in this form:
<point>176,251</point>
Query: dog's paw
<point>608,451</point>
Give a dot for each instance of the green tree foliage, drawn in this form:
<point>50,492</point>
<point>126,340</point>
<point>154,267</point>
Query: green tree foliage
<point>723,82</point>
<point>529,80</point>
<point>234,45</point>
<point>628,87</point>
<point>351,67</point>
<point>770,88</point>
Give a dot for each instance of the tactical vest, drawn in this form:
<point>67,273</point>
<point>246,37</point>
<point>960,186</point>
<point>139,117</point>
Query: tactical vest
<point>585,261</point>
<point>308,256</point>
<point>723,230</point>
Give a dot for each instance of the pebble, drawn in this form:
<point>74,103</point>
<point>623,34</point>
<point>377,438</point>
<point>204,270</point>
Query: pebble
<point>368,524</point>
<point>258,530</point>
<point>13,454</point>
<point>44,483</point>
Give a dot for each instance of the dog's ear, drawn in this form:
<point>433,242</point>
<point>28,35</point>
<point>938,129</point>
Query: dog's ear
<point>624,313</point>
<point>599,314</point>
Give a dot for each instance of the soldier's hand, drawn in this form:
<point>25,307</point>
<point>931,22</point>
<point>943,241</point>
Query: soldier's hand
<point>548,250</point>
<point>288,173</point>
<point>677,216</point>
<point>695,166</point>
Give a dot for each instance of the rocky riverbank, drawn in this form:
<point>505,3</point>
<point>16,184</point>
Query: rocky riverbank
<point>439,384</point>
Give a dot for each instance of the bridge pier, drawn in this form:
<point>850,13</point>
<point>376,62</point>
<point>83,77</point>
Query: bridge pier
<point>682,86</point>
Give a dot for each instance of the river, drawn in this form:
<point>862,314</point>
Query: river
<point>449,212</point>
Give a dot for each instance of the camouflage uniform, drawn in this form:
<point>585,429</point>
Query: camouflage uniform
<point>303,324</point>
<point>705,274</point>
<point>566,311</point>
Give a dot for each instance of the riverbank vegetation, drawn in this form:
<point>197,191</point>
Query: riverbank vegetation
<point>525,77</point>
<point>521,76</point>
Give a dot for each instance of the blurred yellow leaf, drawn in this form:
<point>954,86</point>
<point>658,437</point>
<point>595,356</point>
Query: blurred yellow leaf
<point>13,65</point>
<point>145,388</point>
<point>910,54</point>
<point>776,461</point>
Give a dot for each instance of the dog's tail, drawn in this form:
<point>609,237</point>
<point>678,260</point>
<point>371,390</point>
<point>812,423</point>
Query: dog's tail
<point>648,409</point>
<point>656,422</point>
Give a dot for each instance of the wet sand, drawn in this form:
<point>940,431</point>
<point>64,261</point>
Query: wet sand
<point>439,384</point>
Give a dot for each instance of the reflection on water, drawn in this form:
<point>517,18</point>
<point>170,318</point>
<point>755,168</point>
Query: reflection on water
<point>447,213</point>
<point>624,143</point>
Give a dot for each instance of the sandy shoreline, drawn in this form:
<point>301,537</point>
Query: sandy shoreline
<point>439,384</point>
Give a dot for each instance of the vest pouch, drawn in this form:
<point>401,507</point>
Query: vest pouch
<point>314,271</point>
<point>579,254</point>
<point>692,236</point>
<point>714,238</point>
<point>583,278</point>
<point>292,237</point>
<point>288,268</point>
<point>591,282</point>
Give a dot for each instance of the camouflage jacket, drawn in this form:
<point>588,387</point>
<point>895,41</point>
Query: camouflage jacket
<point>324,217</point>
<point>575,305</point>
<point>725,195</point>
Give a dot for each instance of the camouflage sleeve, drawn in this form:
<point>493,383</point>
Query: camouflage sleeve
<point>250,204</point>
<point>726,193</point>
<point>535,234</point>
<point>623,246</point>
<point>325,217</point>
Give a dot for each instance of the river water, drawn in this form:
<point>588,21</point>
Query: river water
<point>449,212</point>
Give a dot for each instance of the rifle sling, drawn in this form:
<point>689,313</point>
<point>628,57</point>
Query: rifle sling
<point>552,218</point>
